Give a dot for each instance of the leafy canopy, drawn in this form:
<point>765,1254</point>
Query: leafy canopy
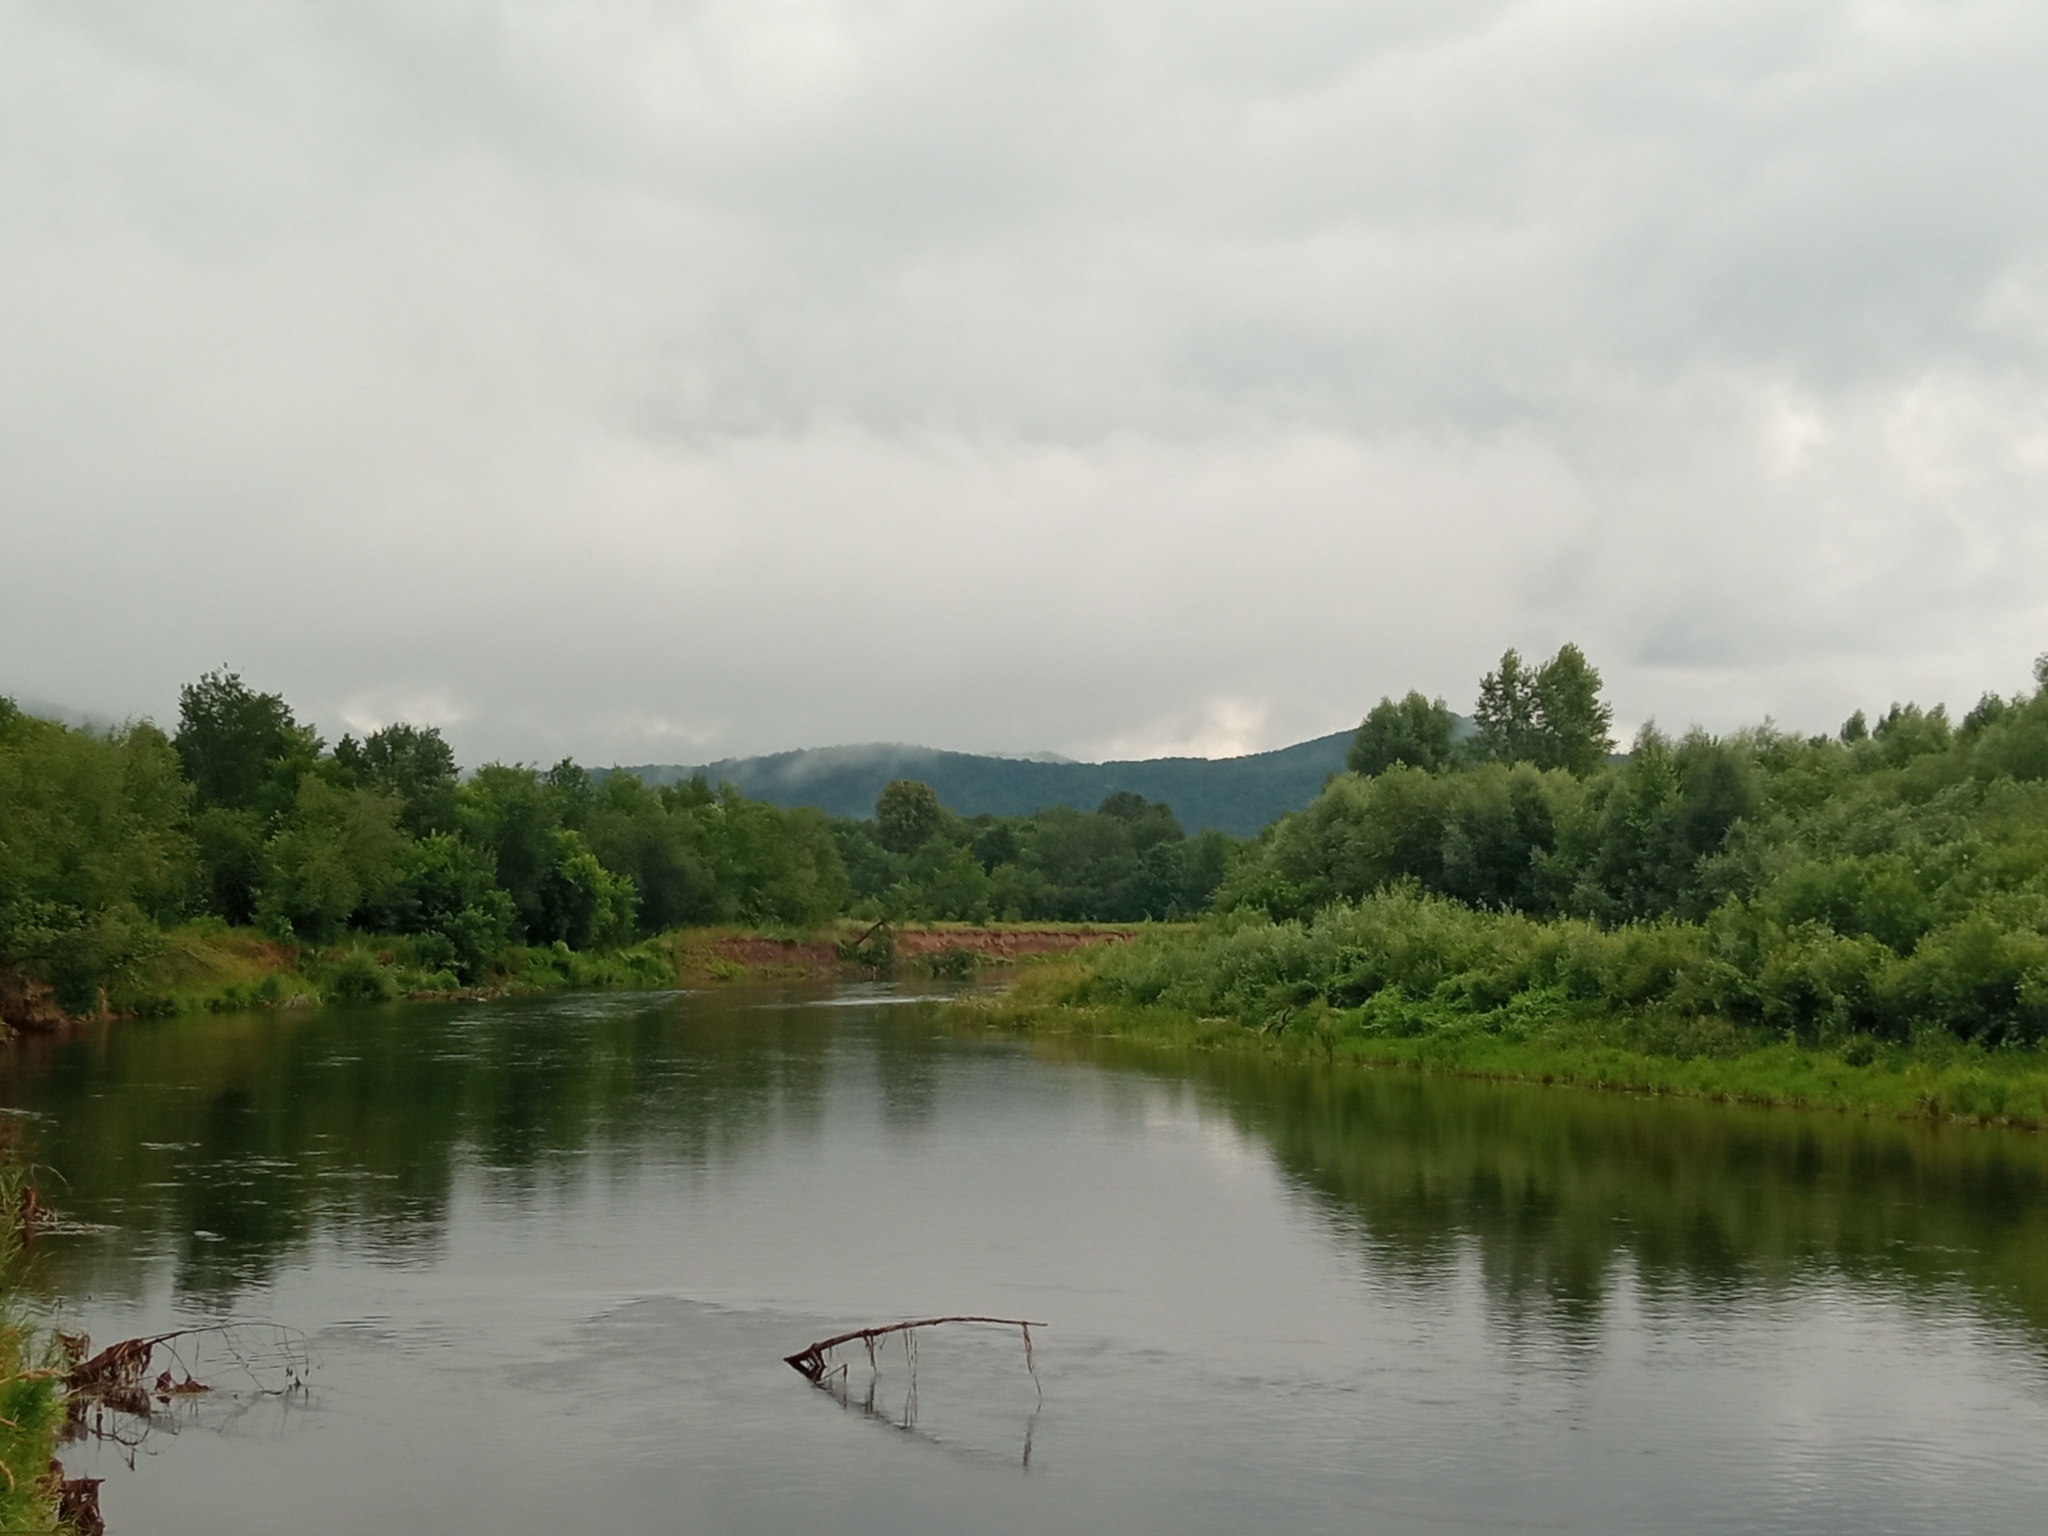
<point>241,750</point>
<point>1551,715</point>
<point>1417,731</point>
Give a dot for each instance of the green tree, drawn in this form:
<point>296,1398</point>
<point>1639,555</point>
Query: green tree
<point>93,850</point>
<point>1573,722</point>
<point>412,762</point>
<point>774,864</point>
<point>908,815</point>
<point>241,750</point>
<point>1653,822</point>
<point>1416,731</point>
<point>447,892</point>
<point>581,903</point>
<point>1551,715</point>
<point>1146,822</point>
<point>949,883</point>
<point>1506,711</point>
<point>573,788</point>
<point>659,838</point>
<point>509,813</point>
<point>339,851</point>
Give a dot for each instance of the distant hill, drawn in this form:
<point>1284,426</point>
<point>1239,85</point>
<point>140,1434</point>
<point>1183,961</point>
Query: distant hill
<point>1238,795</point>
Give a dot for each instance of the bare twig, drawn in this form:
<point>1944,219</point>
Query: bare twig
<point>810,1362</point>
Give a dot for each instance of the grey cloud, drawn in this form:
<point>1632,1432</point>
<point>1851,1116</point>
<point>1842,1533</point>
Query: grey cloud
<point>740,376</point>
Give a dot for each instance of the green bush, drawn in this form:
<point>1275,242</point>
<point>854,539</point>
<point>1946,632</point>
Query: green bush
<point>94,851</point>
<point>360,979</point>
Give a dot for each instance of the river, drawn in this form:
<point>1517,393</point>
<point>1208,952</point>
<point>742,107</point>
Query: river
<point>531,1267</point>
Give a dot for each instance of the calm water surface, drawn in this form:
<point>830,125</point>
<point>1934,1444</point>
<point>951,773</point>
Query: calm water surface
<point>547,1258</point>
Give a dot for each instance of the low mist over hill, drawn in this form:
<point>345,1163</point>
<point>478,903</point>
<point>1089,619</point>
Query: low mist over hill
<point>1238,795</point>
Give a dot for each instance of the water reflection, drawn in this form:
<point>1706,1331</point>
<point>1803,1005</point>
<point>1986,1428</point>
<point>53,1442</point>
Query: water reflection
<point>891,1401</point>
<point>1278,1296</point>
<point>1561,1191</point>
<point>230,1145</point>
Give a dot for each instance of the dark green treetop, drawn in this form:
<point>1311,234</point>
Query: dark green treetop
<point>1416,731</point>
<point>242,750</point>
<point>1150,821</point>
<point>907,815</point>
<point>412,762</point>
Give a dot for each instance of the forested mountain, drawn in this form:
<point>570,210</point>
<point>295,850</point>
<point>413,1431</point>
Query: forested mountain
<point>1238,795</point>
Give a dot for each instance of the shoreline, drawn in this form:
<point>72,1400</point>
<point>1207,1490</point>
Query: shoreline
<point>204,969</point>
<point>1932,1081</point>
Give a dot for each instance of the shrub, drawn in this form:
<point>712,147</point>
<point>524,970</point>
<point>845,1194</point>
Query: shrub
<point>360,979</point>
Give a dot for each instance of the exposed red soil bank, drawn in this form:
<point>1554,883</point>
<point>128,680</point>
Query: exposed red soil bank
<point>27,1004</point>
<point>996,943</point>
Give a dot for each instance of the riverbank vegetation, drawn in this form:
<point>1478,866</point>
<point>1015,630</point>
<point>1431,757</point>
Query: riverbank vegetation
<point>1877,890</point>
<point>1859,918</point>
<point>32,1399</point>
<point>238,861</point>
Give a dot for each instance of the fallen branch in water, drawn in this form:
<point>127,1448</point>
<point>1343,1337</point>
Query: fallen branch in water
<point>810,1362</point>
<point>117,1380</point>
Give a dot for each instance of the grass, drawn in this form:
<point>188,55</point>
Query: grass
<point>31,1396</point>
<point>1554,1040</point>
<point>209,967</point>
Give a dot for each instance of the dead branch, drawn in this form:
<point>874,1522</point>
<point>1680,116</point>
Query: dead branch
<point>810,1362</point>
<point>117,1379</point>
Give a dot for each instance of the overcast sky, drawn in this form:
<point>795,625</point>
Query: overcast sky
<point>658,382</point>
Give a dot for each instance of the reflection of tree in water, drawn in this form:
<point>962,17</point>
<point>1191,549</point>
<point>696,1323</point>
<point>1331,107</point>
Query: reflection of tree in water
<point>234,1141</point>
<point>1555,1191</point>
<point>906,1069</point>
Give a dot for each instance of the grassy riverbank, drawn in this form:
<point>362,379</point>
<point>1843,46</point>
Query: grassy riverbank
<point>208,967</point>
<point>31,1395</point>
<point>1200,991</point>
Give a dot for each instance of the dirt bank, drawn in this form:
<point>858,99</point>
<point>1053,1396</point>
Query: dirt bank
<point>720,956</point>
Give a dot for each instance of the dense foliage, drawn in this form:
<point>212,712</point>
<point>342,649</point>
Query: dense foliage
<point>95,848</point>
<point>243,817</point>
<point>1887,880</point>
<point>1890,878</point>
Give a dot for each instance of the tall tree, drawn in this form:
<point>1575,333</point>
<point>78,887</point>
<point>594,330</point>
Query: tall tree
<point>1574,724</point>
<point>1551,715</point>
<point>242,750</point>
<point>1506,711</point>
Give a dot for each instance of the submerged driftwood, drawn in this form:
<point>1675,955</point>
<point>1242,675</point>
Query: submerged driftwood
<point>810,1361</point>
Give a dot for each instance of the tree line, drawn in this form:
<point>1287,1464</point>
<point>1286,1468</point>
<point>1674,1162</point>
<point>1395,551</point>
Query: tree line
<point>1888,875</point>
<point>1875,883</point>
<point>243,816</point>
